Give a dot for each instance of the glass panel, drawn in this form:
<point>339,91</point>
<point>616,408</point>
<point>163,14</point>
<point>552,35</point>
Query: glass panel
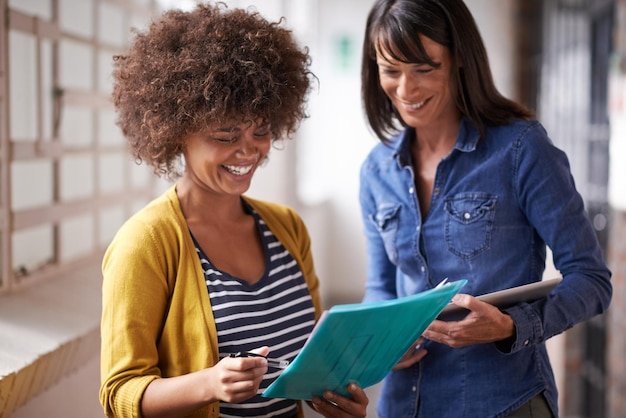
<point>140,175</point>
<point>23,86</point>
<point>105,69</point>
<point>112,172</point>
<point>76,177</point>
<point>111,28</point>
<point>47,85</point>
<point>137,205</point>
<point>109,134</point>
<point>76,126</point>
<point>33,248</point>
<point>77,237</point>
<point>40,8</point>
<point>140,22</point>
<point>31,184</point>
<point>110,221</point>
<point>76,65</point>
<point>2,281</point>
<point>76,17</point>
<point>177,4</point>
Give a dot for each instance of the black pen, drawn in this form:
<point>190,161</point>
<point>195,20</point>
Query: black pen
<point>271,362</point>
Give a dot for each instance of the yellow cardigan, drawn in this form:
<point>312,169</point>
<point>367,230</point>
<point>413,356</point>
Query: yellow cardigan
<point>157,319</point>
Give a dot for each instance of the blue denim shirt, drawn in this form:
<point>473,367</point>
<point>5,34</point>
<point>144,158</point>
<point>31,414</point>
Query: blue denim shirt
<point>496,204</point>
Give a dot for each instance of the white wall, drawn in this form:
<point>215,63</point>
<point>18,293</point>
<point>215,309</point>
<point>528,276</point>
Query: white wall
<point>495,22</point>
<point>317,172</point>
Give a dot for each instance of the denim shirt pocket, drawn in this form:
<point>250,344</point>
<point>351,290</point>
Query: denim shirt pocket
<point>386,222</point>
<point>469,223</point>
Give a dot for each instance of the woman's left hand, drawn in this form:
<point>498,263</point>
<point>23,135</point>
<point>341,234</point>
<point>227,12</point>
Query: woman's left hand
<point>333,405</point>
<point>484,324</point>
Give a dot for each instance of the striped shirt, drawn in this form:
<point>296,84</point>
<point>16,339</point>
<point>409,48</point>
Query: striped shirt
<point>276,311</point>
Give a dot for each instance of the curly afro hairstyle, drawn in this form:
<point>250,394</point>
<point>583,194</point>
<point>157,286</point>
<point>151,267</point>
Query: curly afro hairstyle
<point>208,66</point>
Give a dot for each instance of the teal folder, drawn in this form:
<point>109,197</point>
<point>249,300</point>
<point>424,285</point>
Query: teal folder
<point>359,343</point>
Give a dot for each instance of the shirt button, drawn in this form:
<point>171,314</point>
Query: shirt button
<point>411,190</point>
<point>414,388</point>
<point>436,191</point>
<point>526,342</point>
<point>423,269</point>
<point>467,215</point>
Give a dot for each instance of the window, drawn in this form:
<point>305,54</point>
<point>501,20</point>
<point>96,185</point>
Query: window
<point>67,181</point>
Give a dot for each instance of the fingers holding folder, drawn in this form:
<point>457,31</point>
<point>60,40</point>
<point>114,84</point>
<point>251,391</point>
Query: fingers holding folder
<point>333,405</point>
<point>415,354</point>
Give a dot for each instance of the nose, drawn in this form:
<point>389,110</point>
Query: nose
<point>406,84</point>
<point>247,145</point>
<point>251,144</point>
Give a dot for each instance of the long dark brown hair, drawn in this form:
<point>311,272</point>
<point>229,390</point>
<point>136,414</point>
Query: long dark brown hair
<point>394,26</point>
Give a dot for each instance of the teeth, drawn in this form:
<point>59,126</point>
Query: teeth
<point>416,105</point>
<point>238,170</point>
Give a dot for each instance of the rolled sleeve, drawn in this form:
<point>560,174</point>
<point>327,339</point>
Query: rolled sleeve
<point>528,328</point>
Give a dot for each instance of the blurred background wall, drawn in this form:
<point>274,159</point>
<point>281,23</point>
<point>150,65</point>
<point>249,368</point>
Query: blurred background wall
<point>66,183</point>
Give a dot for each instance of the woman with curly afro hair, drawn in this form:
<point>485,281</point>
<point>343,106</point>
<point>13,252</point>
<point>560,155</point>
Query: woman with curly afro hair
<point>203,272</point>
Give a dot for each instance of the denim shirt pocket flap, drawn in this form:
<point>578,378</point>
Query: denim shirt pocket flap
<point>469,223</point>
<point>386,217</point>
<point>386,222</point>
<point>470,208</point>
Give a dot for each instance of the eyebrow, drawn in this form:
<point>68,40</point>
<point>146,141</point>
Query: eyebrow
<point>385,61</point>
<point>236,128</point>
<point>226,129</point>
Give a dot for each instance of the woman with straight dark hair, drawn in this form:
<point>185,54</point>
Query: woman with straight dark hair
<point>466,185</point>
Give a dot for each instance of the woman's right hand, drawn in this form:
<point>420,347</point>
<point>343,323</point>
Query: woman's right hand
<point>415,354</point>
<point>238,379</point>
<point>230,380</point>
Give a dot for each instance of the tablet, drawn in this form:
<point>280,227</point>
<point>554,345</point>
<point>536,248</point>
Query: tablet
<point>504,298</point>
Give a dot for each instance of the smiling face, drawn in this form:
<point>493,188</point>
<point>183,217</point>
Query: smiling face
<point>423,94</point>
<point>223,159</point>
